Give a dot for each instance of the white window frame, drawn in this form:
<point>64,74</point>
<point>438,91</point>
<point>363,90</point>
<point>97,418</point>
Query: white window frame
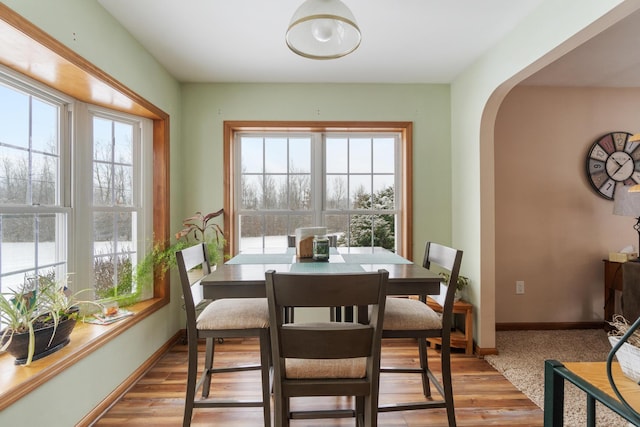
<point>318,178</point>
<point>75,174</point>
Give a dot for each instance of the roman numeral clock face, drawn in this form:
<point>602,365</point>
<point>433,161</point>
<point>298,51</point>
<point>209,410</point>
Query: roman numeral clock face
<point>613,160</point>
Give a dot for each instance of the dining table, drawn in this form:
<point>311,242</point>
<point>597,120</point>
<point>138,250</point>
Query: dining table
<point>243,276</point>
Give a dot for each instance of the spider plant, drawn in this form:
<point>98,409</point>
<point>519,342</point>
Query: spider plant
<point>28,308</point>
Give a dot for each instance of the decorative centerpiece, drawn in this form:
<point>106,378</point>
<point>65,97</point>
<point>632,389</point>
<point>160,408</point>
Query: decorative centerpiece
<point>304,240</point>
<point>321,248</point>
<point>629,353</point>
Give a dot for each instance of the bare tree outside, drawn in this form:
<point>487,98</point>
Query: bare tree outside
<point>358,182</point>
<point>114,242</point>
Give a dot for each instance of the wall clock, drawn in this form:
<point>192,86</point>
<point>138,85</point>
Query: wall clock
<point>613,160</point>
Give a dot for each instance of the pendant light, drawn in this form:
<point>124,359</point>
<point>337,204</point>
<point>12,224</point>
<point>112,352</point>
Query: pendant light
<point>323,29</point>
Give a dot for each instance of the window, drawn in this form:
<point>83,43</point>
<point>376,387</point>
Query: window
<point>33,215</point>
<point>352,181</point>
<point>53,220</point>
<point>116,203</point>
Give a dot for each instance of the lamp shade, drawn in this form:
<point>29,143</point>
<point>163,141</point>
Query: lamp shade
<point>323,29</point>
<point>626,203</point>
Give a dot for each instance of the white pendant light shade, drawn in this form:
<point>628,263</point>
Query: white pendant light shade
<point>323,29</point>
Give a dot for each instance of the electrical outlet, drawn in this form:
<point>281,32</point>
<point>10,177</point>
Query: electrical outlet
<point>520,287</point>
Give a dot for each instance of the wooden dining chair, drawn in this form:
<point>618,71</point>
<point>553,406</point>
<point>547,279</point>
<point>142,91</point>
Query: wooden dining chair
<point>327,358</point>
<point>413,318</point>
<point>224,318</point>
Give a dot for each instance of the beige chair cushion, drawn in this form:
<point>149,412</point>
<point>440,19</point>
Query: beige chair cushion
<point>325,368</point>
<point>409,314</point>
<point>234,313</point>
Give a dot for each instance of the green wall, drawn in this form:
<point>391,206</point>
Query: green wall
<point>206,106</point>
<point>85,27</point>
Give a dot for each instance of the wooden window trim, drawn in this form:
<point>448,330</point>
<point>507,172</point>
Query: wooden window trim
<point>404,128</point>
<point>25,48</point>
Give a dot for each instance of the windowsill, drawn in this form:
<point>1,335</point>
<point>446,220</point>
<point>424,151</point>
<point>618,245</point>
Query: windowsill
<point>18,381</point>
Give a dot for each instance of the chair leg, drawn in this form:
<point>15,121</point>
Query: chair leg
<point>424,366</point>
<point>208,366</point>
<point>281,409</point>
<point>192,372</point>
<point>371,411</point>
<point>360,407</point>
<point>445,355</point>
<point>286,411</point>
<point>265,363</point>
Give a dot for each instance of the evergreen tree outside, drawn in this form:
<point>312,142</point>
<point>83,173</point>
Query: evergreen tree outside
<point>372,229</point>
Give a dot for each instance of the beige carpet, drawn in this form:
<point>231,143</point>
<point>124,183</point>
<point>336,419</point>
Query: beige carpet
<point>521,361</point>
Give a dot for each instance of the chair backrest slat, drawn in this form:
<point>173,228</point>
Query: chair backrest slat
<point>448,259</point>
<point>323,290</point>
<point>309,341</point>
<point>188,259</point>
<point>327,340</point>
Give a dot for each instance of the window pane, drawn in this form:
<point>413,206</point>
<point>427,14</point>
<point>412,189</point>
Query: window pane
<point>113,274</point>
<point>44,179</point>
<point>275,155</point>
<point>360,155</point>
<point>102,232</point>
<point>336,192</point>
<point>251,192</point>
<point>14,176</point>
<point>275,192</point>
<point>102,139</point>
<point>123,183</point>
<point>384,155</point>
<point>112,167</point>
<point>372,230</point>
<point>14,117</point>
<point>123,143</point>
<point>251,232</point>
<point>275,234</point>
<point>113,250</point>
<point>113,231</point>
<point>44,136</point>
<point>18,242</point>
<point>336,155</point>
<point>28,247</point>
<point>251,155</point>
<point>299,155</point>
<point>102,194</point>
<point>360,191</point>
<point>383,193</point>
<point>299,192</point>
<point>297,221</point>
<point>338,225</point>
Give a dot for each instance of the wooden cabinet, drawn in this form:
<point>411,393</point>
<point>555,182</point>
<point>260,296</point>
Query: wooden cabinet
<point>612,283</point>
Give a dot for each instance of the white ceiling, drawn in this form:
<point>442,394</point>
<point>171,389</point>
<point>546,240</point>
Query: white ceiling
<point>403,41</point>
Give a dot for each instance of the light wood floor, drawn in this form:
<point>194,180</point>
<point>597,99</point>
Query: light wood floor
<point>482,395</point>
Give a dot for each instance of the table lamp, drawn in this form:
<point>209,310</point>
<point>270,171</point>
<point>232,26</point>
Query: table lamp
<point>627,203</point>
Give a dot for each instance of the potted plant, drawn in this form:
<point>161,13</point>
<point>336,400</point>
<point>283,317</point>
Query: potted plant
<point>201,228</point>
<point>161,258</point>
<point>461,283</point>
<point>38,319</point>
